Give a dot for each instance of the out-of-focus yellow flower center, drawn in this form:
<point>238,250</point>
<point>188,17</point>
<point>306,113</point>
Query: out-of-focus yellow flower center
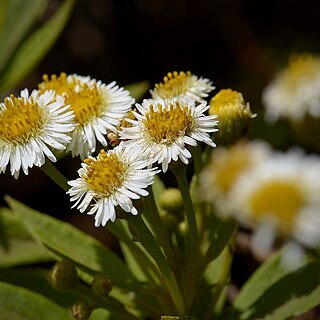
<point>85,100</point>
<point>105,174</point>
<point>281,200</point>
<point>166,125</point>
<point>228,167</point>
<point>20,120</point>
<point>302,66</point>
<point>174,84</point>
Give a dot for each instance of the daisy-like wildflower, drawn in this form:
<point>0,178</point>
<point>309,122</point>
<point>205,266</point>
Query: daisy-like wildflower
<point>98,108</point>
<point>29,125</point>
<point>225,167</point>
<point>112,178</point>
<point>234,115</point>
<point>295,92</point>
<point>281,196</point>
<point>163,128</point>
<point>179,84</point>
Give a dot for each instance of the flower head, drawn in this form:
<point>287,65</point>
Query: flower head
<point>98,108</point>
<point>234,115</point>
<point>283,194</point>
<point>182,84</point>
<point>163,128</point>
<point>295,92</point>
<point>226,166</point>
<point>113,178</point>
<point>29,125</point>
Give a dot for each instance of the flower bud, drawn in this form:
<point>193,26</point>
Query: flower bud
<point>234,116</point>
<point>101,285</point>
<point>171,200</point>
<point>170,221</point>
<point>81,310</point>
<point>63,276</point>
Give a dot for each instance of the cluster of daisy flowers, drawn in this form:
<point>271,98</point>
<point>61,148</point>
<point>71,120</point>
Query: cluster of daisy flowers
<point>275,193</point>
<point>73,113</point>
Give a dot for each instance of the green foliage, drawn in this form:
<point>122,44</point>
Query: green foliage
<point>66,241</point>
<point>17,61</point>
<point>17,303</point>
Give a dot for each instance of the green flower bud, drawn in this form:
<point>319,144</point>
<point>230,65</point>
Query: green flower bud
<point>170,221</point>
<point>234,116</point>
<point>101,285</point>
<point>81,310</point>
<point>63,276</point>
<point>171,200</point>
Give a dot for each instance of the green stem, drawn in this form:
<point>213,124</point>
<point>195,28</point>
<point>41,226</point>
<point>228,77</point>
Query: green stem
<point>149,242</point>
<point>150,211</point>
<point>52,172</point>
<point>146,265</point>
<point>180,174</point>
<point>197,159</point>
<point>108,303</point>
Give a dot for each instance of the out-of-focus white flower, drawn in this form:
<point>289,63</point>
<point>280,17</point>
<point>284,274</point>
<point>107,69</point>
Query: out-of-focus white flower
<point>180,84</point>
<point>98,108</point>
<point>29,125</point>
<point>295,91</point>
<point>163,128</point>
<point>113,178</point>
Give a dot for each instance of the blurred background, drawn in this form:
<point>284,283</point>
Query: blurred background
<point>238,44</point>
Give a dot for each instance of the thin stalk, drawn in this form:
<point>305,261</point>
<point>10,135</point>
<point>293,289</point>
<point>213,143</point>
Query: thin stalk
<point>53,173</point>
<point>149,242</point>
<point>150,211</point>
<point>197,159</point>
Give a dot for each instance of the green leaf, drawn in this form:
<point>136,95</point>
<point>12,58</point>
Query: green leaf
<point>18,17</point>
<point>138,90</point>
<point>17,303</point>
<point>274,293</point>
<point>67,241</point>
<point>17,247</point>
<point>32,50</point>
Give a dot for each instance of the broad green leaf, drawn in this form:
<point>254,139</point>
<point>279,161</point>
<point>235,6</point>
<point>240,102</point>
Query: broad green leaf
<point>292,295</point>
<point>17,303</point>
<point>18,17</point>
<point>32,50</point>
<point>17,247</point>
<point>36,280</point>
<point>138,90</point>
<point>67,241</point>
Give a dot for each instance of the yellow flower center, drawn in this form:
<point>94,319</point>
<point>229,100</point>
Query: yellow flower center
<point>280,199</point>
<point>228,168</point>
<point>105,174</point>
<point>300,67</point>
<point>173,85</point>
<point>224,98</point>
<point>20,120</point>
<point>85,100</point>
<point>166,125</point>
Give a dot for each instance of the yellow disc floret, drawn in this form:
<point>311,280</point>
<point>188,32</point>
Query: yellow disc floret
<point>105,174</point>
<point>301,66</point>
<point>84,99</point>
<point>279,199</point>
<point>166,125</point>
<point>174,84</point>
<point>20,120</point>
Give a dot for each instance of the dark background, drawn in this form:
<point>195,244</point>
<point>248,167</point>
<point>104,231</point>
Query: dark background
<point>238,44</point>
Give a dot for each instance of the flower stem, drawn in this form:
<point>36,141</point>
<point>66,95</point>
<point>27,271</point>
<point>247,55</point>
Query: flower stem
<point>197,159</point>
<point>52,172</point>
<point>180,173</point>
<point>149,242</point>
<point>151,213</point>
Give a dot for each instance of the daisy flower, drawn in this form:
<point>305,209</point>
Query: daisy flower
<point>225,167</point>
<point>163,128</point>
<point>98,109</point>
<point>29,125</point>
<point>112,178</point>
<point>295,92</point>
<point>281,195</point>
<point>182,84</point>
